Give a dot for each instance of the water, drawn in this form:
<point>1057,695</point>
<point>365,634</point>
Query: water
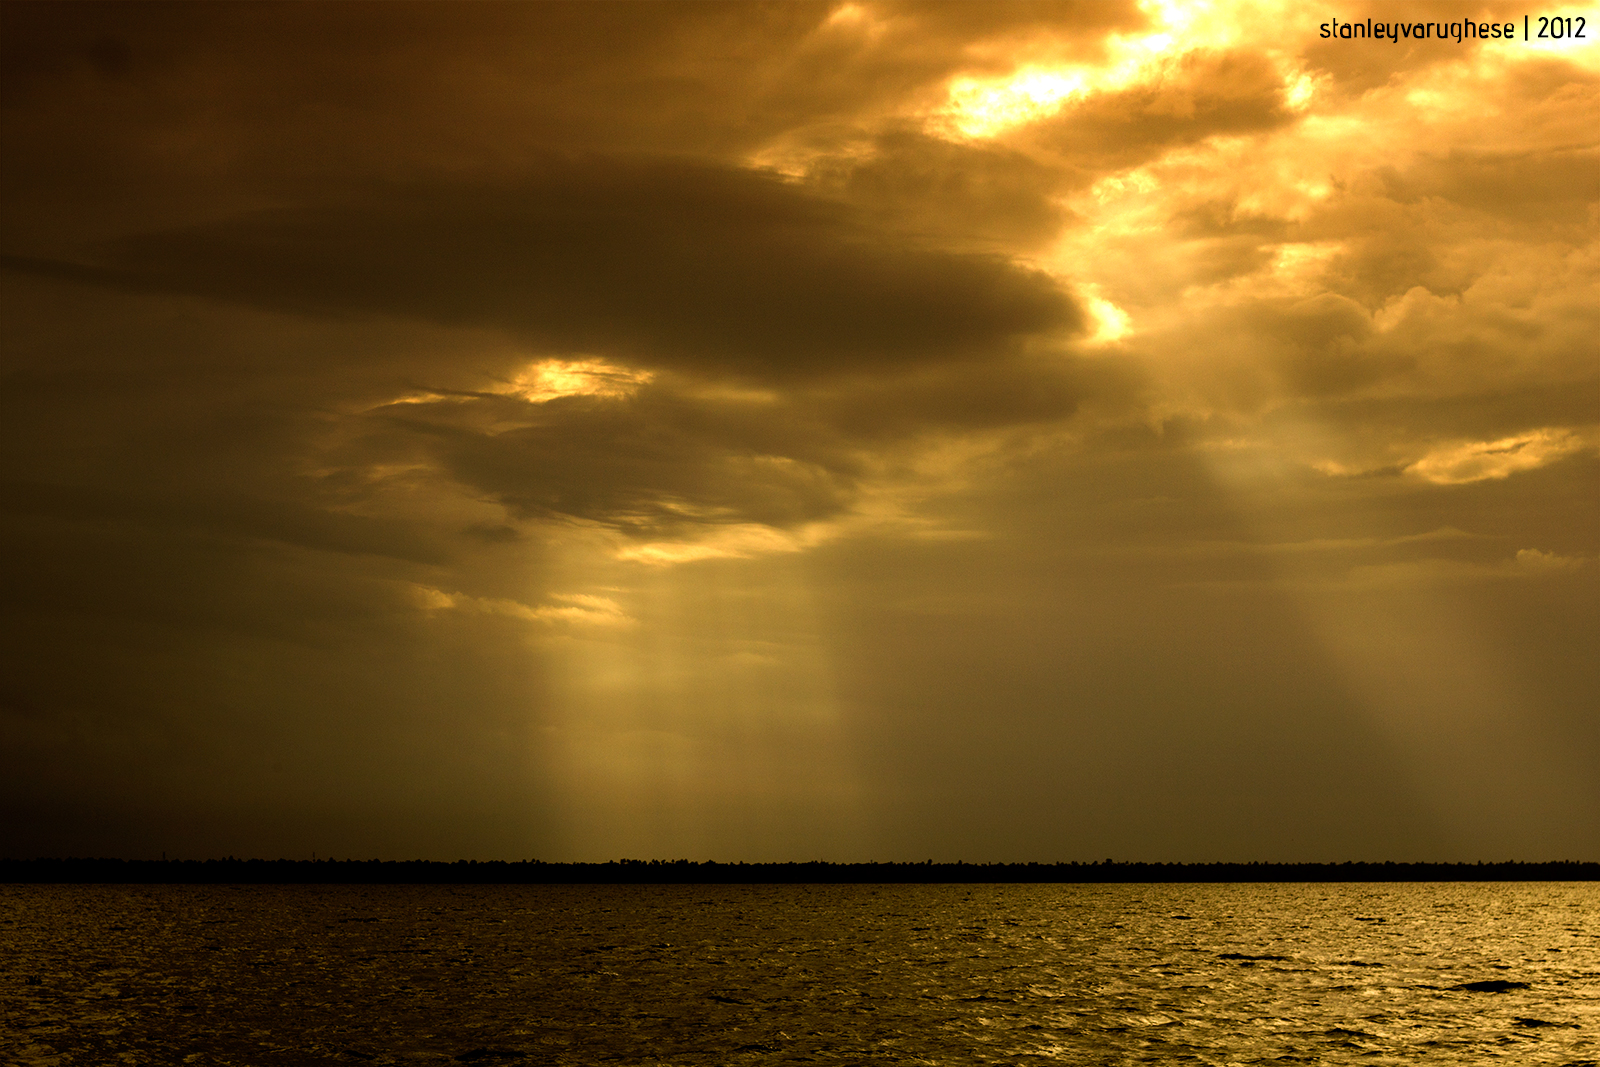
<point>898,974</point>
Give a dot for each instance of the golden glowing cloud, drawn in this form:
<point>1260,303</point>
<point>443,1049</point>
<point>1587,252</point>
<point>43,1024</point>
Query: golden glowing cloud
<point>1475,461</point>
<point>981,107</point>
<point>735,541</point>
<point>575,608</point>
<point>551,378</point>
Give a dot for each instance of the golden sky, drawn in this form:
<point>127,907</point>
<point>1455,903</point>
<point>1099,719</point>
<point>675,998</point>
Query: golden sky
<point>986,431</point>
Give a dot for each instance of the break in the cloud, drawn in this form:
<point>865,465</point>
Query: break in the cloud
<point>996,430</point>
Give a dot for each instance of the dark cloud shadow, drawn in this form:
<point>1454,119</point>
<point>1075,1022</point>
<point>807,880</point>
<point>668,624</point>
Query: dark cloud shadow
<point>659,263</point>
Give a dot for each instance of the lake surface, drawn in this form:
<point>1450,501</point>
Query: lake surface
<point>857,974</point>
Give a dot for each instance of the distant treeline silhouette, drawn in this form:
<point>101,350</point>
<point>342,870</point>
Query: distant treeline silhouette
<point>814,872</point>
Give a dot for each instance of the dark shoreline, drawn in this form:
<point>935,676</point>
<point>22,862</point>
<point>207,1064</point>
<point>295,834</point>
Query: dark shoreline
<point>816,872</point>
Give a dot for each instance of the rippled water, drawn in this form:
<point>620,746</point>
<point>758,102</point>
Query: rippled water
<point>1102,974</point>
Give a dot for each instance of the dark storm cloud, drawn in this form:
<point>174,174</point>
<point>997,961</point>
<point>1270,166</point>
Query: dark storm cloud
<point>872,275</point>
<point>656,263</point>
<point>705,270</point>
<point>656,465</point>
<point>293,75</point>
<point>672,458</point>
<point>131,412</point>
<point>121,118</point>
<point>931,190</point>
<point>292,522</point>
<point>1039,390</point>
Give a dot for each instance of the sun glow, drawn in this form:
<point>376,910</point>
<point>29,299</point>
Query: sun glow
<point>984,108</point>
<point>981,107</point>
<point>542,381</point>
<point>1562,28</point>
<point>1111,322</point>
<point>550,379</point>
<point>738,541</point>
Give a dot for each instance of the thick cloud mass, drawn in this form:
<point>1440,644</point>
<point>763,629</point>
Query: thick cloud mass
<point>978,430</point>
<point>697,268</point>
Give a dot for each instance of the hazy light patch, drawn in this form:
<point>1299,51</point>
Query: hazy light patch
<point>1465,101</point>
<point>586,608</point>
<point>1158,278</point>
<point>1296,269</point>
<point>1334,469</point>
<point>979,108</point>
<point>580,608</point>
<point>737,541</point>
<point>541,381</point>
<point>727,392</point>
<point>1455,91</point>
<point>1583,50</point>
<point>1430,571</point>
<point>422,397</point>
<point>1120,186</point>
<point>985,108</point>
<point>891,505</point>
<point>1312,547</point>
<point>1444,693</point>
<point>1291,189</point>
<point>431,599</point>
<point>846,15</point>
<point>1132,203</point>
<point>551,378</point>
<point>1540,562</point>
<point>1400,574</point>
<point>857,19</point>
<point>1412,301</point>
<point>1301,258</point>
<point>1245,464</point>
<point>1111,322</point>
<point>1392,616</point>
<point>793,156</point>
<point>710,729</point>
<point>1476,461</point>
<point>1123,216</point>
<point>377,473</point>
<point>1300,91</point>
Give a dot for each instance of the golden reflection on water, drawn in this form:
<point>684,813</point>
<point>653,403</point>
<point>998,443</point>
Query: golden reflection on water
<point>1075,974</point>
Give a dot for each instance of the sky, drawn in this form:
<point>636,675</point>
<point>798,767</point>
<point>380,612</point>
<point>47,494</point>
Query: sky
<point>846,431</point>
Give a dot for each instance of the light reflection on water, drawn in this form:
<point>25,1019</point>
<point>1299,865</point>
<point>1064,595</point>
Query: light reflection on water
<point>944,974</point>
